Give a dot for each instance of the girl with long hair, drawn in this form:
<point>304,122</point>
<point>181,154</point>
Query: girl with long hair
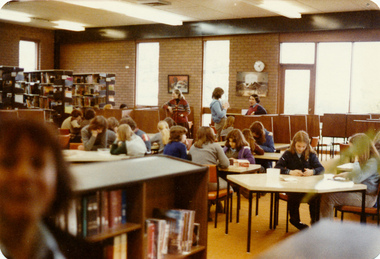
<point>162,137</point>
<point>128,142</point>
<point>300,160</point>
<point>237,147</point>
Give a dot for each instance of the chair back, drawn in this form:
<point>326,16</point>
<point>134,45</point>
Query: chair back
<point>64,131</point>
<point>213,175</point>
<point>314,142</point>
<point>64,141</point>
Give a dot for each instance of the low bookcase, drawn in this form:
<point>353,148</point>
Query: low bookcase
<point>148,183</point>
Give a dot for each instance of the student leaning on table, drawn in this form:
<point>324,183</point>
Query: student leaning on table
<point>237,147</point>
<point>206,152</point>
<point>264,139</point>
<point>300,160</point>
<point>35,187</point>
<point>218,111</point>
<point>162,137</point>
<point>176,146</point>
<point>364,171</point>
<point>128,142</point>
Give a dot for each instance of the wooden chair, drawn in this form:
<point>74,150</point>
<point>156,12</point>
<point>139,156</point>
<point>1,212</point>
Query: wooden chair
<point>372,211</point>
<point>219,194</point>
<point>63,131</point>
<point>314,142</point>
<point>64,141</point>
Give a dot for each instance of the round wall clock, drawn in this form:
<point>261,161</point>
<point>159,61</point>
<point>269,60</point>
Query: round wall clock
<point>259,66</point>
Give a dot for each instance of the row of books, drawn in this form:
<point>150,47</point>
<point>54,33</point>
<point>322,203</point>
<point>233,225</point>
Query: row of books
<point>172,232</point>
<point>96,213</point>
<point>117,248</point>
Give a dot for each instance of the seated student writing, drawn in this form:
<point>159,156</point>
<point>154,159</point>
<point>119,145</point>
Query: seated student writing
<point>206,152</point>
<point>94,135</point>
<point>255,148</point>
<point>237,147</point>
<point>128,142</point>
<point>228,127</point>
<point>364,171</point>
<point>176,146</point>
<point>300,160</point>
<point>162,137</point>
<point>264,139</point>
<point>35,188</point>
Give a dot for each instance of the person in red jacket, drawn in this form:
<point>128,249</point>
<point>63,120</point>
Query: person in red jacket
<point>178,108</point>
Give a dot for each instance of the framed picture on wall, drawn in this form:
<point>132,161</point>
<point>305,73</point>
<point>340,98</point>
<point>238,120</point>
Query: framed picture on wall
<point>180,82</point>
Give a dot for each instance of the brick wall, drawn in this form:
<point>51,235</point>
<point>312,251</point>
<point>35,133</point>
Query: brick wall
<point>9,44</point>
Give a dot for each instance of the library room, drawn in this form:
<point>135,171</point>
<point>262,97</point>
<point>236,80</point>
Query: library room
<point>168,129</point>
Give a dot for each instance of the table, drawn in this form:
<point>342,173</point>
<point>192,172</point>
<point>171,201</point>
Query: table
<point>329,239</point>
<point>318,184</point>
<point>277,146</point>
<point>269,156</point>
<point>81,156</point>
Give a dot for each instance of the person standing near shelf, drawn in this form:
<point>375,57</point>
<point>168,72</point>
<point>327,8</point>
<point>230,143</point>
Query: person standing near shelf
<point>35,188</point>
<point>218,111</point>
<point>255,108</point>
<point>300,160</point>
<point>179,109</point>
<point>73,123</point>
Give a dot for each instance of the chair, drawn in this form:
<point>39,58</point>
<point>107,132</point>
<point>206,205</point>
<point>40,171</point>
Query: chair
<point>189,142</point>
<point>314,142</point>
<point>372,211</point>
<point>64,141</point>
<point>75,145</point>
<point>63,131</point>
<point>215,196</point>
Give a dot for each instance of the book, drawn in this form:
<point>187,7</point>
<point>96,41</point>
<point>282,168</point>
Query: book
<point>93,217</point>
<point>117,247</point>
<point>156,233</point>
<point>114,208</point>
<point>123,206</point>
<point>104,211</point>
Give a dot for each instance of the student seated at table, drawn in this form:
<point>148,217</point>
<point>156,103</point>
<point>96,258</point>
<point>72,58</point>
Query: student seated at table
<point>170,122</point>
<point>300,160</point>
<point>128,120</point>
<point>73,123</point>
<point>35,188</point>
<point>162,137</point>
<point>88,116</point>
<point>206,152</point>
<point>237,147</point>
<point>128,142</point>
<point>264,139</point>
<point>177,143</point>
<point>364,171</point>
<point>94,135</point>
<point>255,148</point>
<point>228,127</point>
<point>113,123</point>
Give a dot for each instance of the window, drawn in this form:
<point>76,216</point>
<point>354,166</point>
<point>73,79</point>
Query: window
<point>216,72</point>
<point>343,78</point>
<point>28,53</point>
<point>147,73</point>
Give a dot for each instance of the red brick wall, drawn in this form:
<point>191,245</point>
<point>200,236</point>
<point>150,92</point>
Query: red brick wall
<point>9,44</point>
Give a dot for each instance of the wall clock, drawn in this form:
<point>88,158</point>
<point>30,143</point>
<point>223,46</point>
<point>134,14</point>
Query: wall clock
<point>259,66</point>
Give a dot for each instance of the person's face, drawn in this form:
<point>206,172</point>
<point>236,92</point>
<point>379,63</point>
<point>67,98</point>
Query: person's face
<point>255,136</point>
<point>174,95</point>
<point>232,143</point>
<point>300,147</point>
<point>27,183</point>
<point>252,100</point>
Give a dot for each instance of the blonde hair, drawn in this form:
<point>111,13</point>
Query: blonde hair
<point>163,127</point>
<point>124,132</point>
<point>230,122</point>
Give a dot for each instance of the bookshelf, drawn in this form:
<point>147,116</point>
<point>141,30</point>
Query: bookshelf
<point>93,89</point>
<point>49,90</point>
<point>11,87</point>
<point>149,182</point>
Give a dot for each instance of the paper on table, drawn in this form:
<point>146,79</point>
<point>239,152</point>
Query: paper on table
<point>288,179</point>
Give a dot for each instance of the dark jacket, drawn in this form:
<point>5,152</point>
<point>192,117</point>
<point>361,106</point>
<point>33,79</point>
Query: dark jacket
<point>289,161</point>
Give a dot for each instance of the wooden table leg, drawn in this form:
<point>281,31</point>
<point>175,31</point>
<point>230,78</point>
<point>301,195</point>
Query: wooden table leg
<point>363,217</point>
<point>227,205</point>
<point>249,222</point>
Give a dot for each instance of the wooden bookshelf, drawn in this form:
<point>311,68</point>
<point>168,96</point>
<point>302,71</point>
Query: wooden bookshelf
<point>150,182</point>
<point>93,90</point>
<point>11,90</point>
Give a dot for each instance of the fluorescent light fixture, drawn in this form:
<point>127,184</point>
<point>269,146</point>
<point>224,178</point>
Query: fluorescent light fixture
<point>283,8</point>
<point>66,25</point>
<point>14,16</point>
<point>132,10</point>
<point>377,2</point>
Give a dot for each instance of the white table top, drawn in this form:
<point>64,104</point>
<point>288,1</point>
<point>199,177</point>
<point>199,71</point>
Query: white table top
<point>74,155</point>
<point>269,156</point>
<point>300,184</point>
<point>241,170</point>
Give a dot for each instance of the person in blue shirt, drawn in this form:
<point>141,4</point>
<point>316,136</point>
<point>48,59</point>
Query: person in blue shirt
<point>176,146</point>
<point>264,139</point>
<point>364,171</point>
<point>218,111</point>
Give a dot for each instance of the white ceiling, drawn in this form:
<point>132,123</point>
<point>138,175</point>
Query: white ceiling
<point>193,10</point>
